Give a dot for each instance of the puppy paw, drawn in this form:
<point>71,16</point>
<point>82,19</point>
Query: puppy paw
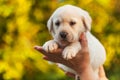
<point>50,46</point>
<point>69,53</point>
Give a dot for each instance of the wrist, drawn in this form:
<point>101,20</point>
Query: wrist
<point>87,71</point>
<point>84,69</point>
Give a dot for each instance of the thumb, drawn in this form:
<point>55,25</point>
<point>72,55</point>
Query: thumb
<point>83,40</point>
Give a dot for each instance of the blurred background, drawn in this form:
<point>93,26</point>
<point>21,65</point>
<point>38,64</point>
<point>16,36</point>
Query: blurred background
<point>23,25</point>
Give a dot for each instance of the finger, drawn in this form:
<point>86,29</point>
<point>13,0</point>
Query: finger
<point>83,40</point>
<point>46,58</point>
<point>70,74</point>
<point>81,36</point>
<point>51,59</point>
<point>40,49</point>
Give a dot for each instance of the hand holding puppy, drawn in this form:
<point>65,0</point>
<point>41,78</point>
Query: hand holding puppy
<point>80,63</point>
<point>82,59</point>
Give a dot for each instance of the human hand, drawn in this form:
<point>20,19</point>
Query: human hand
<point>78,63</point>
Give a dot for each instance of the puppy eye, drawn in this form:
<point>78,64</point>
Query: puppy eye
<point>72,23</point>
<point>57,23</point>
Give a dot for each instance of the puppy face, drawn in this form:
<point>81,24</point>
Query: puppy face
<point>67,23</point>
<point>67,27</point>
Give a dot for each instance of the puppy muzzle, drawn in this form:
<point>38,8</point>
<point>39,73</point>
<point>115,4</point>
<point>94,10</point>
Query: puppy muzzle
<point>63,34</point>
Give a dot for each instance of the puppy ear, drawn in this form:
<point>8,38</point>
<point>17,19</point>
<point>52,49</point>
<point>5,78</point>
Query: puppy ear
<point>50,26</point>
<point>87,21</point>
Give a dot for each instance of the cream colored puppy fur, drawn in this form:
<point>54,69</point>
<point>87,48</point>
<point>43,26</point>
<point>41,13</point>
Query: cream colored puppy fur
<point>66,25</point>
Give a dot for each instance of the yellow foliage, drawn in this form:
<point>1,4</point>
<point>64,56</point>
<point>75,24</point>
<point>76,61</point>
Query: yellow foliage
<point>23,25</point>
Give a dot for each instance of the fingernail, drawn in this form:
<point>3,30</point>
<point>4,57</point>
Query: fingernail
<point>36,47</point>
<point>82,35</point>
<point>46,58</point>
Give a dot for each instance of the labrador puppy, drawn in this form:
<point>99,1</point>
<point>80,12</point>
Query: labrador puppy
<point>66,25</point>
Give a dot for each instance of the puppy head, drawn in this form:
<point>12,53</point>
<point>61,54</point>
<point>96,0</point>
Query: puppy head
<point>67,23</point>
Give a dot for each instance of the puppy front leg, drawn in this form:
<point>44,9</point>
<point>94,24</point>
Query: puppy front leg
<point>70,51</point>
<point>50,46</point>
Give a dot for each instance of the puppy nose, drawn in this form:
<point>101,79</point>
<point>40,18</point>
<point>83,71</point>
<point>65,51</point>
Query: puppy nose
<point>63,34</point>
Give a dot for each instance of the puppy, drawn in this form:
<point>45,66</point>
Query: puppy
<point>66,25</point>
